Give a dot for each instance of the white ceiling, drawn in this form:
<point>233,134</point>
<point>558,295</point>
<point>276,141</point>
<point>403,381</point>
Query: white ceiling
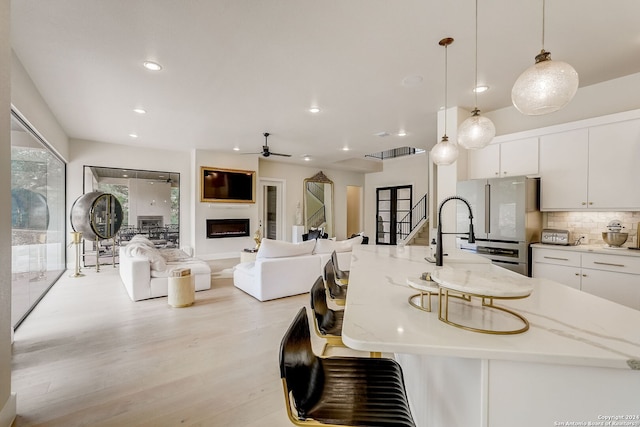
<point>234,69</point>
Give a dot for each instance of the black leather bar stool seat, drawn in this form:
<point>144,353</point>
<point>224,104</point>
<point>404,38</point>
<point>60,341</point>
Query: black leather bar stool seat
<point>327,322</point>
<point>349,391</point>
<point>337,292</point>
<point>341,275</point>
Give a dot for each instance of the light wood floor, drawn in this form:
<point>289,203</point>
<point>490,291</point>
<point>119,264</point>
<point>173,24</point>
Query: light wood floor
<point>89,356</point>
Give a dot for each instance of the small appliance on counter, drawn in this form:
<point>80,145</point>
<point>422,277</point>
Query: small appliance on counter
<point>614,238</point>
<point>552,236</point>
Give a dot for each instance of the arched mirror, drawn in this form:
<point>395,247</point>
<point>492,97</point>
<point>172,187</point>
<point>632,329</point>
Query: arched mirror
<point>318,203</point>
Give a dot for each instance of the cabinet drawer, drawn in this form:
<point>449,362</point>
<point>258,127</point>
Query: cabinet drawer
<point>556,256</point>
<point>621,264</point>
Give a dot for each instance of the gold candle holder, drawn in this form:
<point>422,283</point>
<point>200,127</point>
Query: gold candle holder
<point>76,239</point>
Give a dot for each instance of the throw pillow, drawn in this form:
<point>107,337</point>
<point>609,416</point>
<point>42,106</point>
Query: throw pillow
<point>139,238</point>
<point>279,248</point>
<point>140,250</point>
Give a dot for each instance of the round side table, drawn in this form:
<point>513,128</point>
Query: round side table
<point>182,288</point>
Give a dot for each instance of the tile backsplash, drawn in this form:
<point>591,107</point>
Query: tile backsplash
<point>592,224</point>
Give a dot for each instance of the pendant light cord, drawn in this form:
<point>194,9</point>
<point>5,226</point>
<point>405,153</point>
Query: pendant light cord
<point>475,87</point>
<point>445,89</point>
<point>543,7</point>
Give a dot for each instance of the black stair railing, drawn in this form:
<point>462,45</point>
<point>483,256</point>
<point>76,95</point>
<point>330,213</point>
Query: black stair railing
<point>411,220</point>
<point>318,217</point>
<point>317,190</point>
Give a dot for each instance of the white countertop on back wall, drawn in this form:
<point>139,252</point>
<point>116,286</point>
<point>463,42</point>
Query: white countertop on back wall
<point>599,249</point>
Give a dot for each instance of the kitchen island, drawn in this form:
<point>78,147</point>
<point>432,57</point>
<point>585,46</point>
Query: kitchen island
<point>579,362</point>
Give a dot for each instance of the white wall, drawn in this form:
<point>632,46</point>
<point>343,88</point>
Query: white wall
<point>29,103</point>
<point>294,177</point>
<point>409,170</point>
<point>7,400</point>
<point>152,198</point>
<point>231,246</point>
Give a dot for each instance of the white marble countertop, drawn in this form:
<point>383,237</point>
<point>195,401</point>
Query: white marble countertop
<point>483,279</point>
<point>599,249</point>
<point>567,326</point>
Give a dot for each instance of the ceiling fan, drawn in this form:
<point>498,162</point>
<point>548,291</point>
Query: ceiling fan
<point>265,149</point>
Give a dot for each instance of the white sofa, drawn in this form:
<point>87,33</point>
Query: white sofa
<point>282,269</point>
<point>145,270</point>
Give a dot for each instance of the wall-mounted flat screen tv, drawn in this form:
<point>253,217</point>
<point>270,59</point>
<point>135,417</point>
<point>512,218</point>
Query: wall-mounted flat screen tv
<point>227,185</point>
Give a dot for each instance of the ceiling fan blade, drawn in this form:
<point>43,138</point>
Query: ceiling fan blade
<point>278,154</point>
<point>260,152</point>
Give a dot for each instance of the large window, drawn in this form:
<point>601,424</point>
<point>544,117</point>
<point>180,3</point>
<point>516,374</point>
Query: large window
<point>150,203</point>
<point>37,219</point>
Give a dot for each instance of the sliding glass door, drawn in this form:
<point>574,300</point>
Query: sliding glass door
<point>38,219</point>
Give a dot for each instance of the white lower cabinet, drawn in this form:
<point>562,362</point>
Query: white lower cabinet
<point>569,276</point>
<point>622,288</point>
<point>613,277</point>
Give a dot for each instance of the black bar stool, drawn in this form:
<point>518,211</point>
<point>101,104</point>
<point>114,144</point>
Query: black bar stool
<point>337,292</point>
<point>327,322</point>
<point>341,275</point>
<point>344,391</point>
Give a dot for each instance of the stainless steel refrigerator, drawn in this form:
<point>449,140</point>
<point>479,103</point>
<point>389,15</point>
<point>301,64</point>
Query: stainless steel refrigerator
<point>507,219</point>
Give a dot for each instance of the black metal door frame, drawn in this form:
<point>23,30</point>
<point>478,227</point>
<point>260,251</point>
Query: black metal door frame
<point>390,226</point>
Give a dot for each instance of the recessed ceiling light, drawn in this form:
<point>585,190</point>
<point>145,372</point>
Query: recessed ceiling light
<point>152,66</point>
<point>314,110</point>
<point>481,89</point>
<point>133,135</point>
<point>125,176</point>
<point>307,158</point>
<point>402,133</point>
<point>382,134</point>
<point>236,148</point>
<point>345,148</point>
<point>140,111</point>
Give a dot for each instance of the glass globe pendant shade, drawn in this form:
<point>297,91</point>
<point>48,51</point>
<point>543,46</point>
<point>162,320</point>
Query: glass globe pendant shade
<point>476,132</point>
<point>545,87</point>
<point>444,152</point>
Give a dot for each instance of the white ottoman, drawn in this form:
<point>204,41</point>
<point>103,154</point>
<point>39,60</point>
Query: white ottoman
<point>181,288</point>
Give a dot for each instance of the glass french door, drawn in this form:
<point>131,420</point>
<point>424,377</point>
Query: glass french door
<point>272,208</point>
<point>393,204</point>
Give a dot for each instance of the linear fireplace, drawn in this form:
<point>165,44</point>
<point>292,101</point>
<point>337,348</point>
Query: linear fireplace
<point>219,228</point>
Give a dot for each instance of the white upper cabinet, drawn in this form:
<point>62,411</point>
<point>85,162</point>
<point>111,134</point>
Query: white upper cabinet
<point>519,157</point>
<point>614,166</point>
<point>591,168</point>
<point>484,163</point>
<point>563,170</point>
<point>512,158</point>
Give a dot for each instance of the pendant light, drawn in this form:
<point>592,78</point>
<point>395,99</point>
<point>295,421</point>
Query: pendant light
<point>445,152</point>
<point>546,86</point>
<point>477,131</point>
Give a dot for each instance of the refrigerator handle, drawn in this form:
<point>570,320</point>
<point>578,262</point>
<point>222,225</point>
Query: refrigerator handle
<point>487,208</point>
